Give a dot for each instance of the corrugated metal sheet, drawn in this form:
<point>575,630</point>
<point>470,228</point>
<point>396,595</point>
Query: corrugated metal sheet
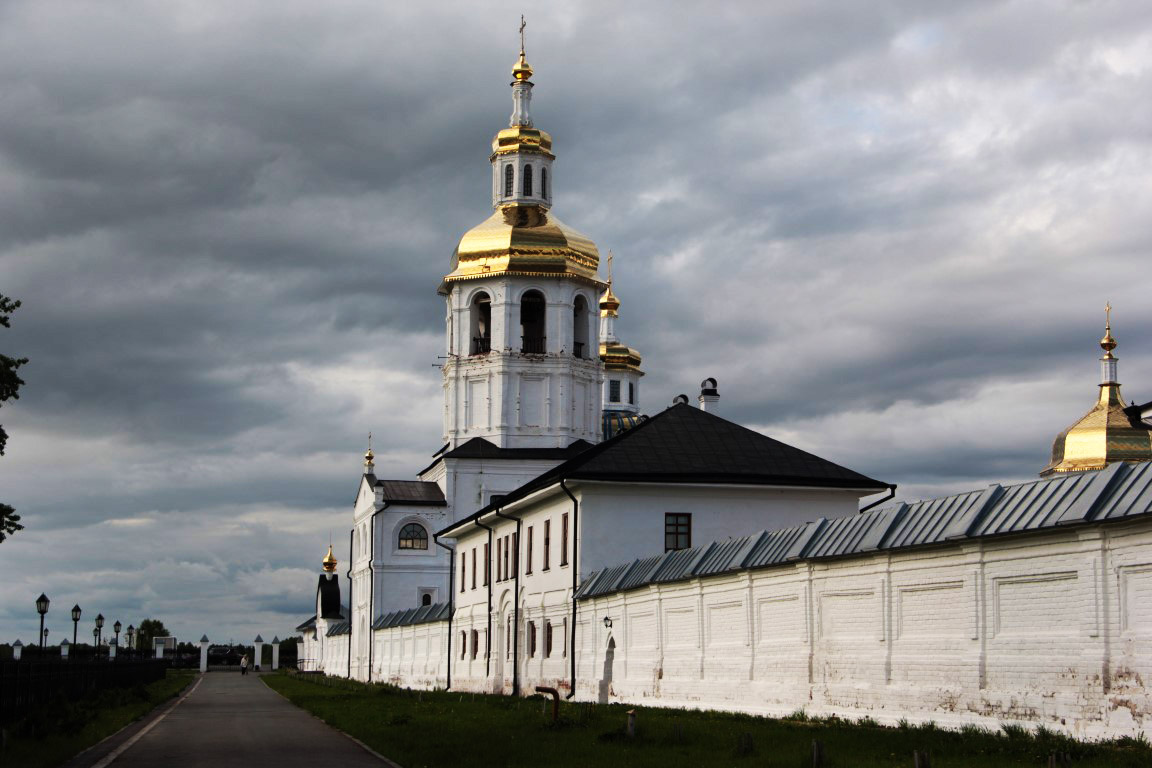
<point>1116,492</point>
<point>339,628</point>
<point>425,614</point>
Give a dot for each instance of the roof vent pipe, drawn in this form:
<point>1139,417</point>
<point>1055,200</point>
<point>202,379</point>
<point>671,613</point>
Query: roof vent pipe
<point>709,398</point>
<point>680,400</point>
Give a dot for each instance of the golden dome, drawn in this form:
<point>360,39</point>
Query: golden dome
<point>521,71</point>
<point>1107,433</point>
<point>329,561</point>
<point>521,138</point>
<point>524,240</point>
<point>609,304</point>
<point>369,460</point>
<point>618,357</point>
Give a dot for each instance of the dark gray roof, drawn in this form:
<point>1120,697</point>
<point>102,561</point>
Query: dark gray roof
<point>425,614</point>
<point>329,589</point>
<point>684,444</point>
<point>479,448</point>
<point>411,492</point>
<point>1117,492</point>
<point>306,625</point>
<point>339,628</point>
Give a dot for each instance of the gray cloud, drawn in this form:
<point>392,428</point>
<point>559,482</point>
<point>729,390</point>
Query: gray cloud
<point>887,230</point>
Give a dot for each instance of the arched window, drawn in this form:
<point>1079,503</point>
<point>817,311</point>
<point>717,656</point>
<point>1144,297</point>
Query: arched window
<point>528,181</point>
<point>508,186</point>
<point>580,327</point>
<point>426,599</point>
<point>413,536</point>
<point>544,183</point>
<point>532,323</point>
<point>481,324</point>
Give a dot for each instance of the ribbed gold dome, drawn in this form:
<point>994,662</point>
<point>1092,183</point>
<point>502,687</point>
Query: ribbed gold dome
<point>609,304</point>
<point>521,70</point>
<point>329,561</point>
<point>521,138</point>
<point>618,357</point>
<point>524,240</point>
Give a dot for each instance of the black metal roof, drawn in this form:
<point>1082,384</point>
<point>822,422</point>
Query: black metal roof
<point>425,614</point>
<point>412,492</point>
<point>329,589</point>
<point>479,448</point>
<point>684,444</point>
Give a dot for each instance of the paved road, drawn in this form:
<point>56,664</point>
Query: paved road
<point>234,721</point>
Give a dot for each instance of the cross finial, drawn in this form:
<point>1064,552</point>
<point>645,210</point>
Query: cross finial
<point>369,441</point>
<point>1108,316</point>
<point>609,267</point>
<point>522,25</point>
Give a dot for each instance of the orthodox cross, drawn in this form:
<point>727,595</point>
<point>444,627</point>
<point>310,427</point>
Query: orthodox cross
<point>1108,315</point>
<point>609,267</point>
<point>522,25</point>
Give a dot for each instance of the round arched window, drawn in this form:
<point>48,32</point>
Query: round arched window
<point>413,536</point>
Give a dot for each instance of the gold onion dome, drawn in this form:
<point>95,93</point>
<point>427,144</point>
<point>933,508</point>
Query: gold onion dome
<point>524,240</point>
<point>609,304</point>
<point>1109,432</point>
<point>620,357</point>
<point>521,71</point>
<point>329,561</point>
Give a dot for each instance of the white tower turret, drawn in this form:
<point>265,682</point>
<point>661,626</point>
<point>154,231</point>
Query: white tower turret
<point>521,371</point>
<point>621,390</point>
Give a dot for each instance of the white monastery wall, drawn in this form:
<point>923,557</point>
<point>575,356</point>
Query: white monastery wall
<point>413,656</point>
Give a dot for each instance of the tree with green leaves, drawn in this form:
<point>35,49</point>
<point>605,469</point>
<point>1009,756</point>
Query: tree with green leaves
<point>149,629</point>
<point>10,383</point>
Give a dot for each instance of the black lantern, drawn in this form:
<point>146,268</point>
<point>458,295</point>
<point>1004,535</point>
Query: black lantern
<point>99,626</point>
<point>131,637</point>
<point>116,629</point>
<point>607,623</point>
<point>75,621</point>
<point>42,608</point>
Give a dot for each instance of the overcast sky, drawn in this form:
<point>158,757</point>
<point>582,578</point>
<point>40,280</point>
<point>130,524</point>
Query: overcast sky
<point>888,229</point>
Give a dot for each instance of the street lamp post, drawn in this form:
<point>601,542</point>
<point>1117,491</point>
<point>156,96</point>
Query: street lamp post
<point>131,638</point>
<point>75,621</point>
<point>99,626</point>
<point>116,629</point>
<point>42,608</point>
<point>95,642</point>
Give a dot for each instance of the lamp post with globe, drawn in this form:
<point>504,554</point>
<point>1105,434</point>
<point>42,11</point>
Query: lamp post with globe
<point>42,608</point>
<point>75,621</point>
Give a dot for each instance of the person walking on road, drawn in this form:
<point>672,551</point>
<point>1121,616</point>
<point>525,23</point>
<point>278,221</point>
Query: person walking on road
<point>244,664</point>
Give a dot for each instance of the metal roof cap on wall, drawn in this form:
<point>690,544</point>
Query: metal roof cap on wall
<point>724,556</point>
<point>640,572</point>
<point>1132,497</point>
<point>1032,505</point>
<point>773,547</point>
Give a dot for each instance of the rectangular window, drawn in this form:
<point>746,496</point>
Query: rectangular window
<point>515,554</point>
<point>473,567</point>
<point>677,531</point>
<point>487,562</point>
<point>547,639</point>
<point>564,539</point>
<point>475,642</point>
<point>565,638</point>
<point>547,545</point>
<point>463,569</point>
<point>531,639</point>
<point>463,644</point>
<point>614,390</point>
<point>505,557</point>
<point>528,552</point>
<point>631,393</point>
<point>499,549</point>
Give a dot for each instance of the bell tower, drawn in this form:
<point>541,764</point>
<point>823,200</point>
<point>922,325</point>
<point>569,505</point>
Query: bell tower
<point>522,368</point>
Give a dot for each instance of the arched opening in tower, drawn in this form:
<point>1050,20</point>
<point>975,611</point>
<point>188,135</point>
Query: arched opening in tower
<point>481,324</point>
<point>532,323</point>
<point>580,327</point>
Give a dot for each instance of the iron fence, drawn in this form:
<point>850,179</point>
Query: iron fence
<point>27,683</point>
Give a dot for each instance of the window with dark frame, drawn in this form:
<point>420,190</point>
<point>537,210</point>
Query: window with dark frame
<point>677,531</point>
<point>547,545</point>
<point>463,644</point>
<point>547,639</point>
<point>528,181</point>
<point>426,598</point>
<point>412,536</point>
<point>544,183</point>
<point>515,553</point>
<point>528,552</point>
<point>564,539</point>
<point>506,557</point>
<point>508,186</point>
<point>487,562</point>
<point>531,639</point>
<point>473,567</point>
<point>475,642</point>
<point>631,393</point>
<point>614,390</point>
<point>463,567</point>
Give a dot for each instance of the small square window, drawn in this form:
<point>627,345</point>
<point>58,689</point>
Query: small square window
<point>677,531</point>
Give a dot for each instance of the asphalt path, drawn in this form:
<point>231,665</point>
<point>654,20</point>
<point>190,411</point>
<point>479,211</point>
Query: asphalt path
<point>229,720</point>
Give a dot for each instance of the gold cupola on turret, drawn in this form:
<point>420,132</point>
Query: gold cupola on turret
<point>1109,432</point>
<point>329,562</point>
<point>522,236</point>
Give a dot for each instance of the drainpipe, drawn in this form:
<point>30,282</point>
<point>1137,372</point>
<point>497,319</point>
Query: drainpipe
<point>372,587</point>
<point>515,609</point>
<point>451,602</point>
<point>351,625</point>
<point>572,531</point>
<point>891,493</point>
<point>488,578</point>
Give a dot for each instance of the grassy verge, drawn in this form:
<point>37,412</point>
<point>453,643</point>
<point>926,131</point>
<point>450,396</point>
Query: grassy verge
<point>450,729</point>
<point>53,734</point>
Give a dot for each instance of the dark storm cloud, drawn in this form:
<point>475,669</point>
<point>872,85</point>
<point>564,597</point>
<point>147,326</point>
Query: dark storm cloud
<point>888,230</point>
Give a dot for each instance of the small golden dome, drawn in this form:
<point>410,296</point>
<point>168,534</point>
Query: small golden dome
<point>524,240</point>
<point>609,304</point>
<point>369,459</point>
<point>1108,343</point>
<point>520,138</point>
<point>619,357</point>
<point>329,561</point>
<point>522,71</point>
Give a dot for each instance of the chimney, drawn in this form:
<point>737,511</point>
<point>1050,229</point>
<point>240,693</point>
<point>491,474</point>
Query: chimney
<point>709,398</point>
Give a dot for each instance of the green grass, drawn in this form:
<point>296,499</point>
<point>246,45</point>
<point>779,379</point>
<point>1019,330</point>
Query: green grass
<point>452,729</point>
<point>52,734</point>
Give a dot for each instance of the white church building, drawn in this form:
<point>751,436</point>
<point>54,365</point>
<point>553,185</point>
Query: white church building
<point>560,538</point>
